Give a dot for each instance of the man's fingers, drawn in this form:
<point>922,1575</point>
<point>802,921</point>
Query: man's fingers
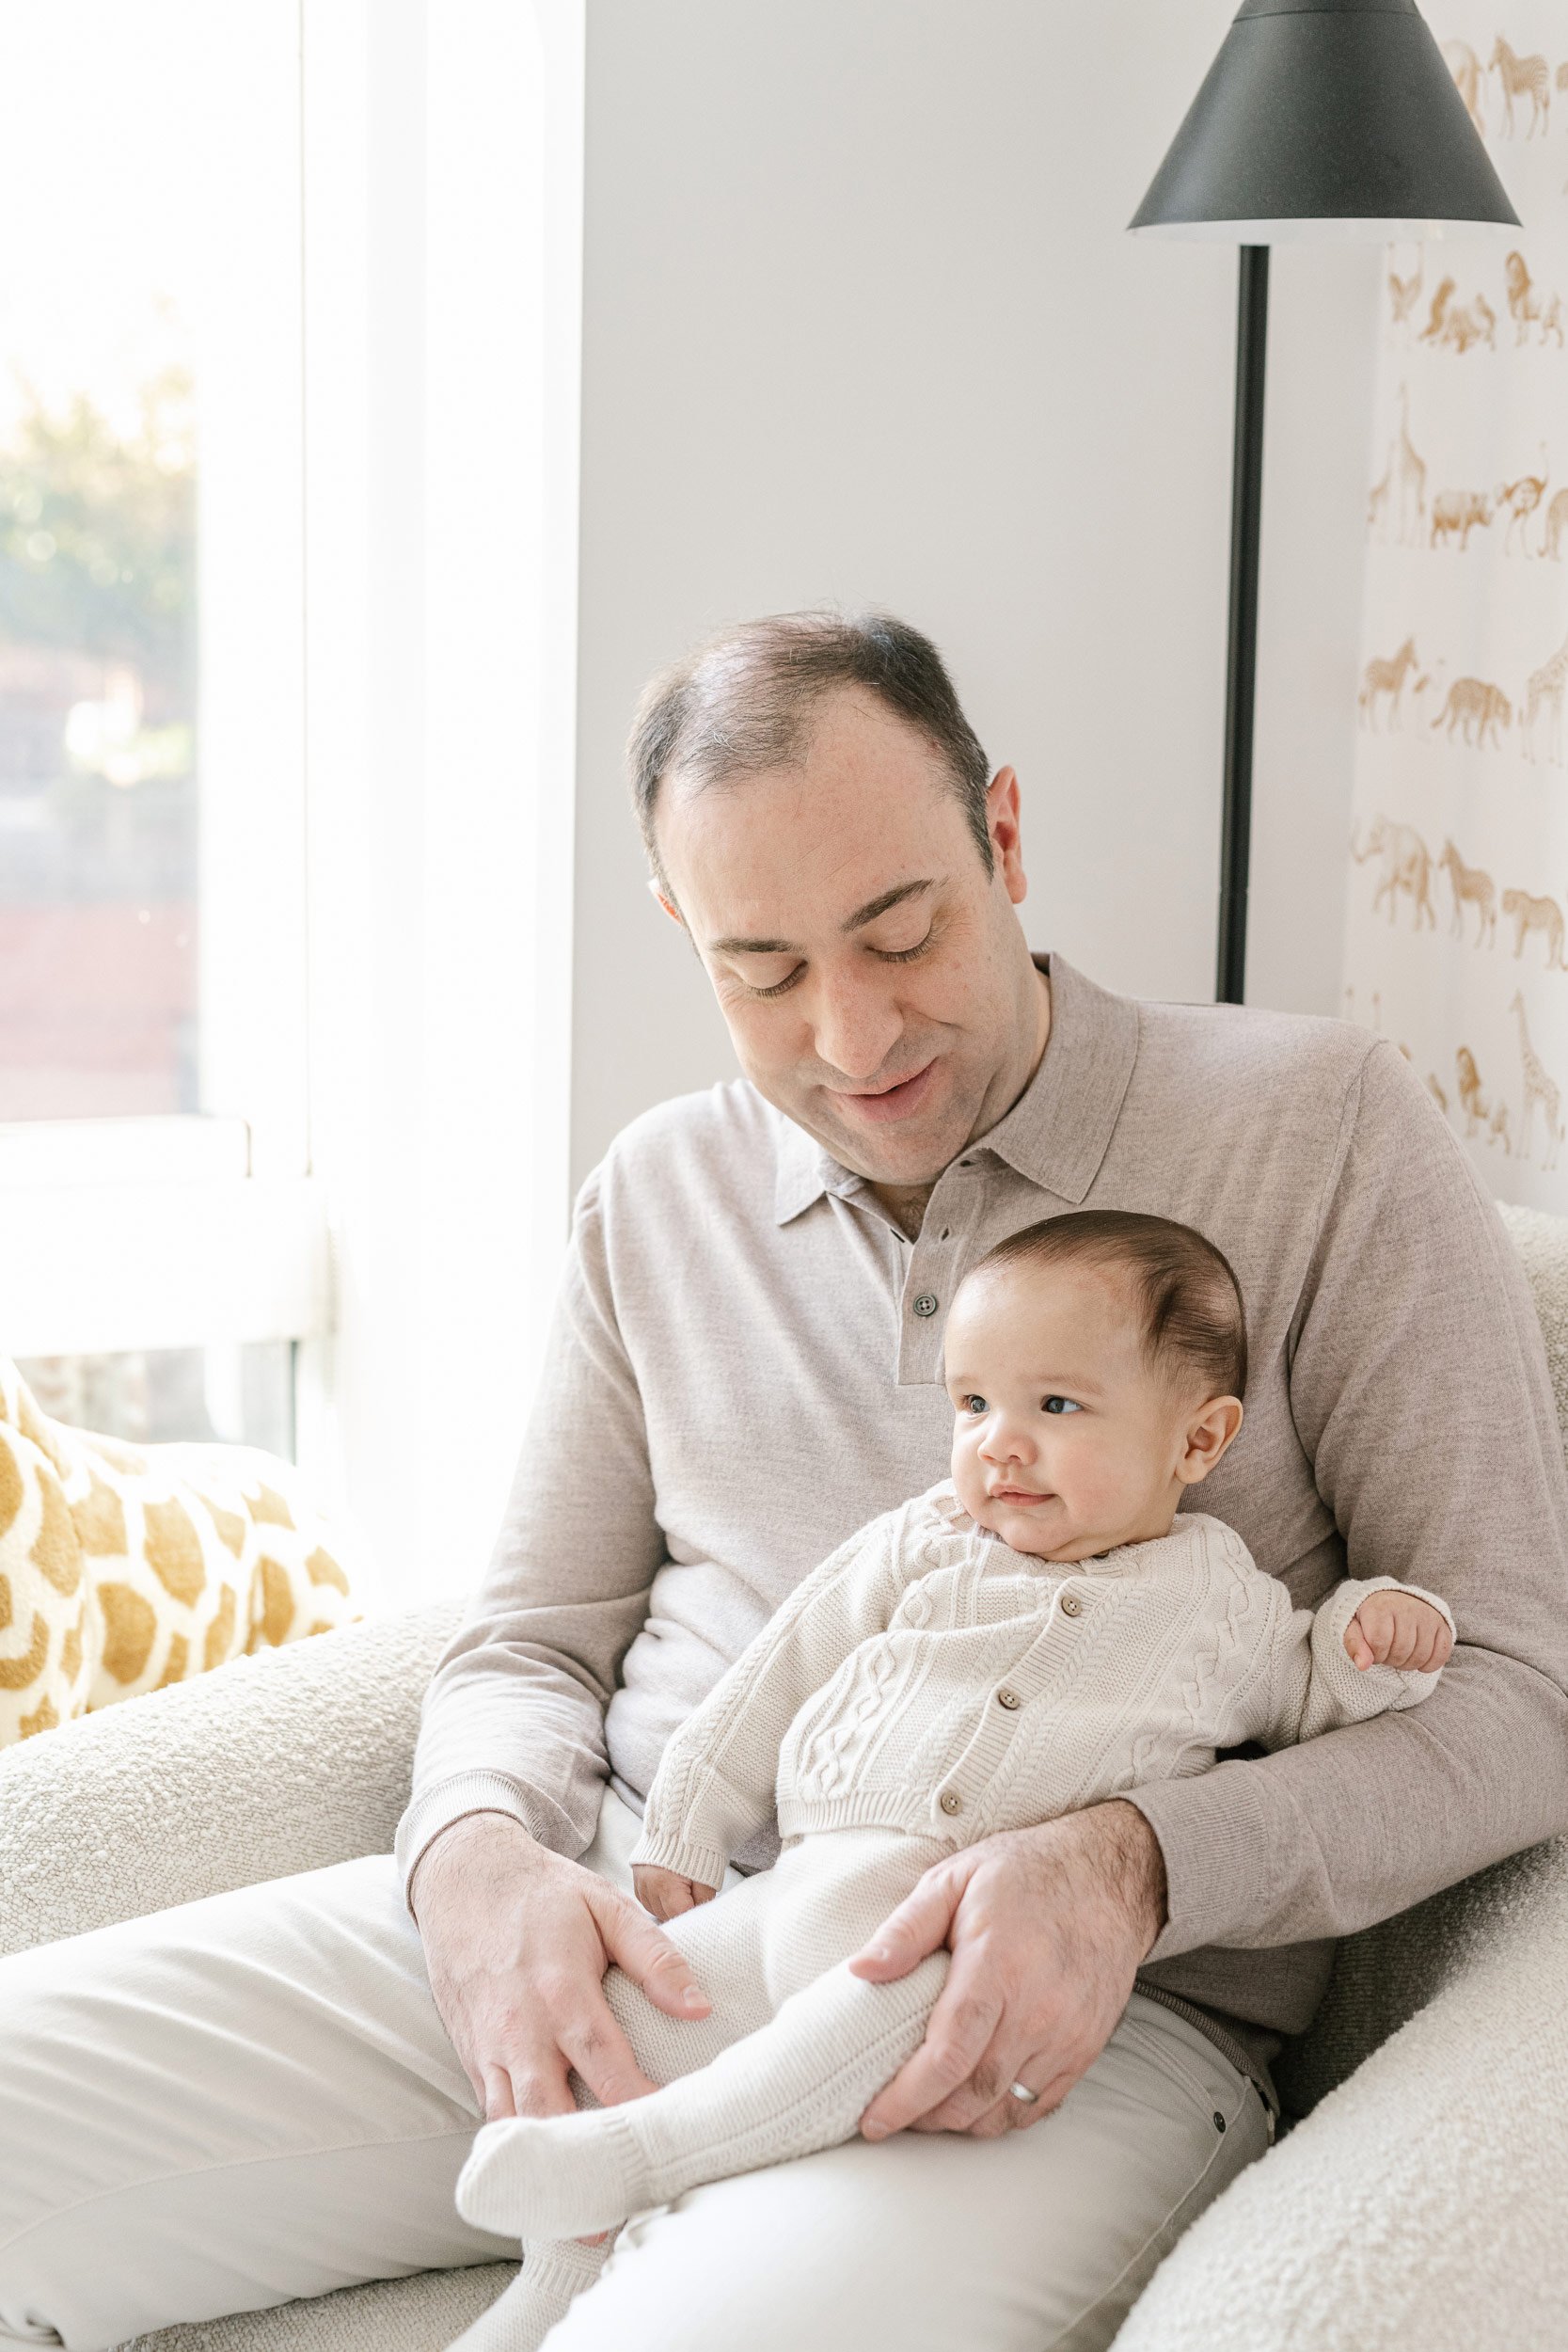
<point>635,1945</point>
<point>496,2096</point>
<point>985,2089</point>
<point>919,1926</point>
<point>603,2056</point>
<point>526,2084</point>
<point>957,2036</point>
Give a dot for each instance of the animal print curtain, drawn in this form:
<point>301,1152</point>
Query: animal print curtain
<point>1459,874</point>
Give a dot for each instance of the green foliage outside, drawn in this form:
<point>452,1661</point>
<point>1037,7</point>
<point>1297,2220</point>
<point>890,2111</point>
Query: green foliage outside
<point>98,538</point>
<point>98,563</point>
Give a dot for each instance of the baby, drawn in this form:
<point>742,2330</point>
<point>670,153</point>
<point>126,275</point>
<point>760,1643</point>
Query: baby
<point>1038,1632</point>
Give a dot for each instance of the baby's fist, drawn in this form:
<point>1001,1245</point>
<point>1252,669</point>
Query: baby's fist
<point>665,1892</point>
<point>1397,1630</point>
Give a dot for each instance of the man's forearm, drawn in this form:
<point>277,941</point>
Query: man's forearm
<point>1135,1867</point>
<point>1323,1839</point>
<point>504,1731</point>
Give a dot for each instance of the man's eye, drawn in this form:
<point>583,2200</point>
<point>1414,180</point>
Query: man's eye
<point>1059,1405</point>
<point>779,987</point>
<point>903,955</point>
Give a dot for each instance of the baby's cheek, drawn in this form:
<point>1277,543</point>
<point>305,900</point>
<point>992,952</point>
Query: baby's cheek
<point>966,1470</point>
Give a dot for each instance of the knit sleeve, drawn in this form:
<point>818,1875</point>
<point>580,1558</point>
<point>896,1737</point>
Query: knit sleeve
<point>1313,1686</point>
<point>715,1779</point>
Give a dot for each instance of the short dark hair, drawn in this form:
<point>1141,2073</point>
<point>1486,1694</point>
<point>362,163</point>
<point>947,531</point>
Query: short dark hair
<point>1186,1289</point>
<point>744,702</point>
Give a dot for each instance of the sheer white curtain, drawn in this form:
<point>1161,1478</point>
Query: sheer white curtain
<point>1458,885</point>
<point>442,222</point>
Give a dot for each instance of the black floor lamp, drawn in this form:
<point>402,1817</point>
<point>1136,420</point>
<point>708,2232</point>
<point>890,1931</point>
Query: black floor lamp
<point>1327,118</point>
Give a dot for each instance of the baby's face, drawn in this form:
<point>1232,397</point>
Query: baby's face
<point>1065,1442</point>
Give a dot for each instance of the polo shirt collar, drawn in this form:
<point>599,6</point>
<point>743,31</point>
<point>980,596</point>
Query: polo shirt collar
<point>1058,1131</point>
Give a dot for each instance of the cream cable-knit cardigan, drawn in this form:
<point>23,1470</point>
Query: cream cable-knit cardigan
<point>928,1678</point>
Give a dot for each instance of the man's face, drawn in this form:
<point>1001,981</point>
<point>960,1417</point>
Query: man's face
<point>874,978</point>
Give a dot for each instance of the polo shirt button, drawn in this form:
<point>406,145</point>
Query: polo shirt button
<point>1070,1604</point>
<point>951,1801</point>
<point>1009,1699</point>
<point>926,1303</point>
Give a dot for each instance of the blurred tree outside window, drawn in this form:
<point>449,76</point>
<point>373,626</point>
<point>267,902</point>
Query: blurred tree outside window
<point>98,784</point>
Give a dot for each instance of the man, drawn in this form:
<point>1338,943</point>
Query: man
<point>746,1265</point>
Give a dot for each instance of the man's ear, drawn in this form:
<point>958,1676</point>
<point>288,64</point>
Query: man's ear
<point>1211,1432</point>
<point>671,909</point>
<point>1006,832</point>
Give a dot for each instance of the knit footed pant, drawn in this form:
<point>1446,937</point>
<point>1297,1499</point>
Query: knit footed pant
<point>792,2054</point>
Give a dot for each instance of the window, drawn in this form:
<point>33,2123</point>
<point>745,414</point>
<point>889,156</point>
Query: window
<point>286,816</point>
<point>152,881</point>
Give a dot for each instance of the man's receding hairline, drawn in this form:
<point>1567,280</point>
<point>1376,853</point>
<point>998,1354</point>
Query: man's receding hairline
<point>750,701</point>
<point>678,777</point>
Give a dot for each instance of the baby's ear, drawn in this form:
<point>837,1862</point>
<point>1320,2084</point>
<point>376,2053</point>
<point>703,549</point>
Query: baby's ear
<point>1210,1433</point>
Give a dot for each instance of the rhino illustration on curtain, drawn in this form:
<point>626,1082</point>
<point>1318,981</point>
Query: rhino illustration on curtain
<point>1458,877</point>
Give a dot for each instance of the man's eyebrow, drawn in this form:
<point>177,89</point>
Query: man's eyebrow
<point>856,922</point>
<point>892,897</point>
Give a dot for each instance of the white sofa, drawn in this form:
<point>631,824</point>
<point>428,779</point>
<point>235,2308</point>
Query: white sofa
<point>1422,2201</point>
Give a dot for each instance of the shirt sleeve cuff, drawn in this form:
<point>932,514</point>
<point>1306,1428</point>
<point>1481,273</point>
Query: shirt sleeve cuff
<point>450,1801</point>
<point>705,1864</point>
<point>1220,1834</point>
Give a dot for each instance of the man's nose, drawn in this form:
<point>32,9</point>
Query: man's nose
<point>855,1026</point>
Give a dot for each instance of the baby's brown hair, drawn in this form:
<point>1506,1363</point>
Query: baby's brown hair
<point>1185,1288</point>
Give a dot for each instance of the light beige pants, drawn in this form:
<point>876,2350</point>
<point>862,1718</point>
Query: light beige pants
<point>251,2097</point>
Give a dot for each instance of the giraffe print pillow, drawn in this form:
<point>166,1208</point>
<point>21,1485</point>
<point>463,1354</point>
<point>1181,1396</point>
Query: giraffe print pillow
<point>124,1568</point>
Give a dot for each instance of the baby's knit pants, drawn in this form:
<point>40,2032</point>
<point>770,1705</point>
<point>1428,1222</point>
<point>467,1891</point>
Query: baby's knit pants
<point>792,2054</point>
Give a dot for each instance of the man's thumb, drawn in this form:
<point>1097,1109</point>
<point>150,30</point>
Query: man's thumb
<point>638,1946</point>
<point>906,1937</point>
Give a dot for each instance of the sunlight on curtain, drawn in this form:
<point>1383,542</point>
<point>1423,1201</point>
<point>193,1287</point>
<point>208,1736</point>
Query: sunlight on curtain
<point>1458,887</point>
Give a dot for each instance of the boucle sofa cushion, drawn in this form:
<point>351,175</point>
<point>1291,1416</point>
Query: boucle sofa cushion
<point>126,1568</point>
<point>285,1762</point>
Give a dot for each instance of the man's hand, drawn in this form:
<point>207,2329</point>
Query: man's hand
<point>1047,1927</point>
<point>1399,1630</point>
<point>516,1943</point>
<point>665,1893</point>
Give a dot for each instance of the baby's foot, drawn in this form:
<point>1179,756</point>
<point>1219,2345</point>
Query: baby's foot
<point>523,2315</point>
<point>557,2176</point>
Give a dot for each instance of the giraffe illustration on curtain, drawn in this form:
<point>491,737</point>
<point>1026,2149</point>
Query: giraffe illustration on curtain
<point>1457,876</point>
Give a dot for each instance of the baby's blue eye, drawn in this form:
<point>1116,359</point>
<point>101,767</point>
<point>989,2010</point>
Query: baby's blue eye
<point>974,1403</point>
<point>1059,1405</point>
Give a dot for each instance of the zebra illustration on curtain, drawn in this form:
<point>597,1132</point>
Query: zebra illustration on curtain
<point>1458,872</point>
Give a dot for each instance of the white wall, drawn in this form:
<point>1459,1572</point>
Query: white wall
<point>862,321</point>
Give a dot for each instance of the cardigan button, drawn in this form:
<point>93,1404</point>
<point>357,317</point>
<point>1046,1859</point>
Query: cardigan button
<point>1071,1605</point>
<point>951,1801</point>
<point>926,1303</point>
<point>1009,1699</point>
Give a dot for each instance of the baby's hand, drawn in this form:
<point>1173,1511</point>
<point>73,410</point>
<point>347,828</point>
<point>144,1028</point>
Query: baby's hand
<point>1397,1630</point>
<point>665,1892</point>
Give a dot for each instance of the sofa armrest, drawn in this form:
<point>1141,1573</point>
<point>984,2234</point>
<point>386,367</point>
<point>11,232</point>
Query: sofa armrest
<point>280,1762</point>
<point>1421,2202</point>
<point>1388,1972</point>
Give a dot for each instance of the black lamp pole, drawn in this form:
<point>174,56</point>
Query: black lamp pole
<point>1240,667</point>
<point>1322,119</point>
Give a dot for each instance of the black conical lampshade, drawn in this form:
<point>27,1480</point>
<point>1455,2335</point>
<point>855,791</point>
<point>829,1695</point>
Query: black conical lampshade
<point>1326,118</point>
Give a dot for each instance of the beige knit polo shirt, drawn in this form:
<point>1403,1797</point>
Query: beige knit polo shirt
<point>929,1680</point>
<point>745,1368</point>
